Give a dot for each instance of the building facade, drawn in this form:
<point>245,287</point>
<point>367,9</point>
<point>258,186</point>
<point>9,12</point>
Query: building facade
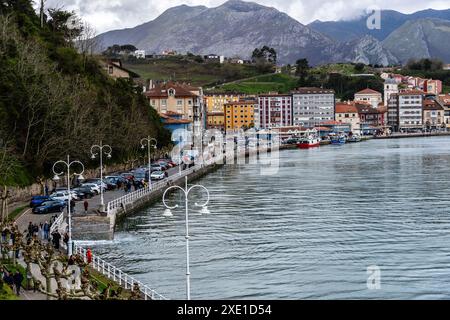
<point>312,106</point>
<point>405,110</point>
<point>433,114</point>
<point>390,87</point>
<point>369,95</point>
<point>348,113</point>
<point>275,110</point>
<point>239,115</point>
<point>181,99</point>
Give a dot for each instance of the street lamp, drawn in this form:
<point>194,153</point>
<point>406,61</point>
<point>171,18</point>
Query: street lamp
<point>148,142</point>
<point>102,149</point>
<point>168,212</point>
<point>68,164</point>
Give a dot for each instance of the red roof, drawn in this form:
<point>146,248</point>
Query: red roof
<point>346,108</point>
<point>323,129</point>
<point>161,90</point>
<point>176,121</point>
<point>368,91</point>
<point>332,122</point>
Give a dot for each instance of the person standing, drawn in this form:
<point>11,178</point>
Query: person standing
<point>46,228</point>
<point>56,237</point>
<point>18,278</point>
<point>89,256</point>
<point>86,206</point>
<point>46,190</point>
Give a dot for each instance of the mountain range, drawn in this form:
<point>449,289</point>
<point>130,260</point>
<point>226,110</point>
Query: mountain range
<point>237,27</point>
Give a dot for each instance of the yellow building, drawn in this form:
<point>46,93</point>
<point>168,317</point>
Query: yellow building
<point>216,120</point>
<point>215,102</point>
<point>239,115</point>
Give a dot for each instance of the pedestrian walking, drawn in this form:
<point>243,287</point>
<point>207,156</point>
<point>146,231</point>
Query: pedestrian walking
<point>72,205</point>
<point>46,190</point>
<point>18,278</point>
<point>56,237</point>
<point>86,206</point>
<point>66,240</point>
<point>46,229</point>
<point>89,256</point>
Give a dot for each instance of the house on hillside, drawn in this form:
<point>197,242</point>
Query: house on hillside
<point>114,68</point>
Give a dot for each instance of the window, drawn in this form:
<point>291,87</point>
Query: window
<point>179,102</point>
<point>111,70</point>
<point>163,102</point>
<point>171,92</point>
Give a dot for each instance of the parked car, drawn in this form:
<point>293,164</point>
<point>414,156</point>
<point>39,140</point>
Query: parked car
<point>157,175</point>
<point>86,191</point>
<point>115,180</point>
<point>156,167</point>
<point>98,182</point>
<point>38,200</point>
<point>127,175</point>
<point>167,162</point>
<point>163,164</point>
<point>64,196</point>
<point>94,187</point>
<point>49,207</point>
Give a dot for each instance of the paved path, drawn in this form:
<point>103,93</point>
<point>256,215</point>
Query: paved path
<point>94,204</point>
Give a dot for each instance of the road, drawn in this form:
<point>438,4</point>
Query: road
<point>94,203</point>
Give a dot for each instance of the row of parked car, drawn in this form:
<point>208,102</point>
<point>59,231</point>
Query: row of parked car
<point>57,201</point>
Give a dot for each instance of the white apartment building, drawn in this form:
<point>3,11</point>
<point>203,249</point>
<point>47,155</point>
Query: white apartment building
<point>312,106</point>
<point>390,87</point>
<point>405,110</point>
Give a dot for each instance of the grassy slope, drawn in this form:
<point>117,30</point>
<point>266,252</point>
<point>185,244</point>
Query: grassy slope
<point>266,83</point>
<point>186,70</point>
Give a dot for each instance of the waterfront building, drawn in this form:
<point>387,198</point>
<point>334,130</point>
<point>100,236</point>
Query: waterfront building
<point>312,106</point>
<point>390,87</point>
<point>445,102</point>
<point>405,110</point>
<point>215,102</point>
<point>369,95</point>
<point>433,114</point>
<point>371,120</point>
<point>180,98</point>
<point>334,127</point>
<point>240,115</point>
<point>347,112</point>
<point>173,121</point>
<point>274,110</point>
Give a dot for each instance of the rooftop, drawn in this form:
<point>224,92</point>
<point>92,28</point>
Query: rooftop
<point>312,90</point>
<point>368,91</point>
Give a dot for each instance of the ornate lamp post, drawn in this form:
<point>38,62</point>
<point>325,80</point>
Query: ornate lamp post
<point>168,213</point>
<point>68,164</point>
<point>149,142</point>
<point>106,150</point>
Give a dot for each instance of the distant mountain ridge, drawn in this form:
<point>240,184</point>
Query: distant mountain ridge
<point>237,27</point>
<point>390,21</point>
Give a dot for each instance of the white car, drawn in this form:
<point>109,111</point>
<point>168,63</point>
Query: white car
<point>157,175</point>
<point>94,187</point>
<point>62,196</point>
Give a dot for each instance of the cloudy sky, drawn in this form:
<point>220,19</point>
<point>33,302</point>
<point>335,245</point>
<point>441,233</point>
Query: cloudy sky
<point>106,15</point>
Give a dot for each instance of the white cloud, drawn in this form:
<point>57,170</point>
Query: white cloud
<point>107,15</point>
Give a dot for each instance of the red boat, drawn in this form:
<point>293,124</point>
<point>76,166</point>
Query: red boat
<point>309,142</point>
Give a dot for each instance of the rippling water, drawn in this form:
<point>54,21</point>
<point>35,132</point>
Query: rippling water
<point>309,232</point>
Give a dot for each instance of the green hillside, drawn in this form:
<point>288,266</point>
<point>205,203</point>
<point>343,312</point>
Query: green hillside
<point>55,101</point>
<point>281,83</point>
<point>191,69</point>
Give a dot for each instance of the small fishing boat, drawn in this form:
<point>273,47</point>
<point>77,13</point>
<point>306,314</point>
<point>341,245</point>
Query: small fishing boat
<point>310,141</point>
<point>338,139</point>
<point>354,138</point>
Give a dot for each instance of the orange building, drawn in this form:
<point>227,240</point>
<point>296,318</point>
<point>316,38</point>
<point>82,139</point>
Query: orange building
<point>240,115</point>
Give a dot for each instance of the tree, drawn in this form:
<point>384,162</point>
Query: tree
<point>264,55</point>
<point>302,71</point>
<point>359,67</point>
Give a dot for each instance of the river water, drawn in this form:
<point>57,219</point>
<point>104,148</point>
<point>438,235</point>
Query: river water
<point>308,232</point>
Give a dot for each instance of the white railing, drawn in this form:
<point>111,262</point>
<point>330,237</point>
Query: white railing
<point>57,223</point>
<point>123,279</point>
<point>135,195</point>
